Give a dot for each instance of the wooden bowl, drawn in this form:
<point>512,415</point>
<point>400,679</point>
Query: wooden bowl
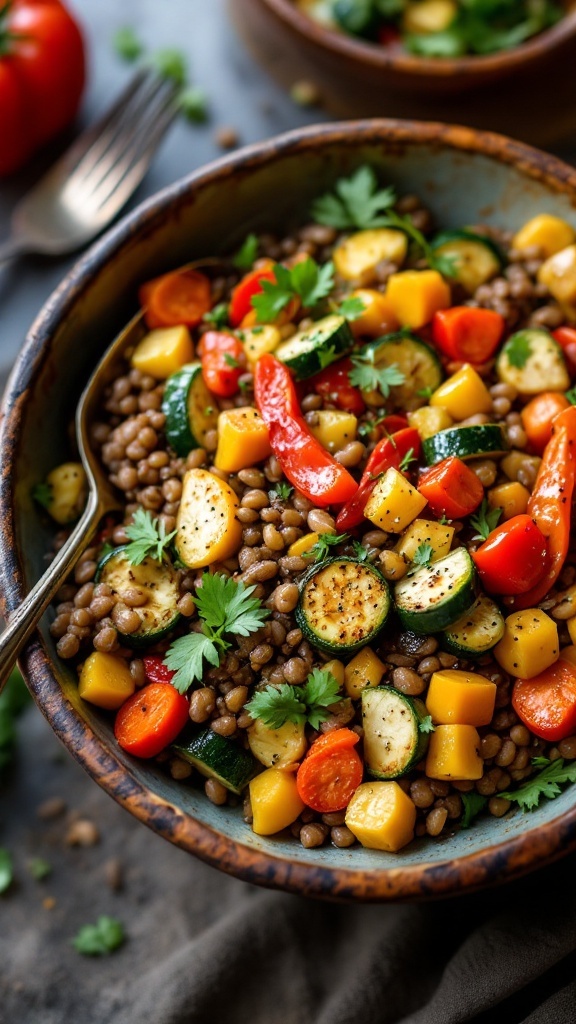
<point>465,177</point>
<point>529,91</point>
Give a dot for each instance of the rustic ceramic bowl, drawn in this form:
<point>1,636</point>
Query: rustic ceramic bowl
<point>465,177</point>
<point>529,91</point>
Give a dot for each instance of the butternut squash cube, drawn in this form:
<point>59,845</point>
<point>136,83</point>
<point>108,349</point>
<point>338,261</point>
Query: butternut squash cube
<point>275,801</point>
<point>381,816</point>
<point>68,488</point>
<point>549,233</point>
<point>242,439</point>
<point>276,748</point>
<point>358,255</point>
<point>365,669</point>
<point>427,16</point>
<point>463,394</point>
<point>334,429</point>
<point>529,645</point>
<point>558,273</point>
<point>425,531</point>
<point>336,668</point>
<point>260,340</point>
<point>460,698</point>
<point>163,351</point>
<point>394,503</point>
<point>429,420</point>
<point>378,316</point>
<point>512,498</point>
<point>105,680</point>
<point>415,295</point>
<point>303,544</point>
<point>453,753</point>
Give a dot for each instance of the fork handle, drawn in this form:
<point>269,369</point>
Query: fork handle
<point>23,622</point>
<point>11,248</point>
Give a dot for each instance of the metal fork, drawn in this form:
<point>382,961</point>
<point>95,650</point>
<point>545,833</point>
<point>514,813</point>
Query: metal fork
<point>90,183</point>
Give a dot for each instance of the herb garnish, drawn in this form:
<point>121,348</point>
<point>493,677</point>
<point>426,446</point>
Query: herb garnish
<point>473,804</point>
<point>518,350</point>
<point>423,555</point>
<point>231,361</point>
<point>365,429</point>
<point>39,868</point>
<point>217,316</point>
<point>224,606</point>
<point>276,705</point>
<point>247,253</point>
<point>321,549</point>
<point>486,26</point>
<point>571,395</point>
<point>425,393</point>
<point>485,520</point>
<point>6,870</point>
<point>13,700</point>
<point>42,494</point>
<point>426,725</point>
<point>101,938</point>
<point>367,376</point>
<point>351,308</point>
<point>546,783</point>
<point>406,460</point>
<point>148,538</point>
<point>194,104</point>
<point>305,280</point>
<point>360,552</point>
<point>281,491</point>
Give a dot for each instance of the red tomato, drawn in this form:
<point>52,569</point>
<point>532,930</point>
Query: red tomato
<point>514,558</point>
<point>333,384</point>
<point>547,702</point>
<point>466,334</point>
<point>251,284</point>
<point>451,488</point>
<point>156,671</point>
<point>151,719</point>
<point>223,362</point>
<point>42,74</point>
<point>566,338</point>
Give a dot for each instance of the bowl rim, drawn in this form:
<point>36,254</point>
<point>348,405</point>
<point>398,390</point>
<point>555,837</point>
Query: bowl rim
<point>501,861</point>
<point>364,52</point>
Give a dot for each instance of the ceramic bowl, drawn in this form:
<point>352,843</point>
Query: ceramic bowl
<point>465,177</point>
<point>528,91</point>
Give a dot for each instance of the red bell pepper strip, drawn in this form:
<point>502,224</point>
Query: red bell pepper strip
<point>538,416</point>
<point>334,384</point>
<point>451,488</point>
<point>513,558</point>
<point>306,464</point>
<point>156,671</point>
<point>550,503</point>
<point>223,362</point>
<point>250,284</point>
<point>566,338</point>
<point>547,702</point>
<point>389,452</point>
<point>466,334</point>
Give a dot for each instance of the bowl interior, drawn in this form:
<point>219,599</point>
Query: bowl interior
<point>268,188</point>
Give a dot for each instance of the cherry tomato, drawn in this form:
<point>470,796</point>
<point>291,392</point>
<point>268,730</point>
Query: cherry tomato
<point>514,558</point>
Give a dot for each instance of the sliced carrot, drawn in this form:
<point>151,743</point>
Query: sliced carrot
<point>538,416</point>
<point>180,297</point>
<point>151,719</point>
<point>327,782</point>
<point>337,739</point>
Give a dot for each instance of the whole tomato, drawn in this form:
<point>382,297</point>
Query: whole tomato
<point>42,74</point>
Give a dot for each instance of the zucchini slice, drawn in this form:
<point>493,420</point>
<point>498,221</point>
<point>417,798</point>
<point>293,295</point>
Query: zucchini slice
<point>465,443</point>
<point>415,359</point>
<point>393,742</point>
<point>189,408</point>
<point>478,631</point>
<point>533,362</point>
<point>309,351</point>
<point>157,580</point>
<point>476,257</point>
<point>207,530</point>
<point>217,758</point>
<point>343,605</point>
<point>437,595</point>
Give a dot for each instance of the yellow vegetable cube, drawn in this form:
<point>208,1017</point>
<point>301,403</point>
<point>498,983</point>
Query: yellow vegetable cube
<point>365,669</point>
<point>512,498</point>
<point>260,340</point>
<point>275,801</point>
<point>453,753</point>
<point>163,351</point>
<point>105,680</point>
<point>429,420</point>
<point>303,544</point>
<point>357,257</point>
<point>572,629</point>
<point>460,698</point>
<point>276,748</point>
<point>427,16</point>
<point>207,529</point>
<point>558,273</point>
<point>378,317</point>
<point>242,439</point>
<point>425,531</point>
<point>394,503</point>
<point>549,233</point>
<point>415,295</point>
<point>463,394</point>
<point>529,645</point>
<point>334,429</point>
<point>568,653</point>
<point>381,816</point>
<point>336,668</point>
<point>68,489</point>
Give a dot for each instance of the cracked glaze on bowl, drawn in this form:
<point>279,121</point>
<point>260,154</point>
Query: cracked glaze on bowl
<point>465,177</point>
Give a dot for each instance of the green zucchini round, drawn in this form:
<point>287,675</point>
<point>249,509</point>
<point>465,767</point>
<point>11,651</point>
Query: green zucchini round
<point>189,408</point>
<point>478,631</point>
<point>476,257</point>
<point>437,595</point>
<point>343,605</point>
<point>472,442</point>
<point>393,741</point>
<point>415,359</point>
<point>310,351</point>
<point>159,580</point>
<point>216,757</point>
<point>533,362</point>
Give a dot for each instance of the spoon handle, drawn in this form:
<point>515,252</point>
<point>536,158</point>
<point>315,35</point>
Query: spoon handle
<point>23,622</point>
<point>11,248</point>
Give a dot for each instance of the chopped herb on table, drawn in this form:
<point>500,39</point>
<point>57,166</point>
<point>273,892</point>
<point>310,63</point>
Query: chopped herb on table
<point>101,938</point>
<point>6,870</point>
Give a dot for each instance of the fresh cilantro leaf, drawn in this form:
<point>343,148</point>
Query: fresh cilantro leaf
<point>425,393</point>
<point>473,804</point>
<point>193,103</point>
<point>217,316</point>
<point>306,280</point>
<point>101,938</point>
<point>546,783</point>
<point>247,253</point>
<point>275,295</point>
<point>231,361</point>
<point>148,538</point>
<point>445,265</point>
<point>518,350</point>
<point>406,460</point>
<point>423,554</point>
<point>356,202</point>
<point>320,691</point>
<point>282,490</point>
<point>6,870</point>
<point>426,725</point>
<point>485,520</point>
<point>541,762</point>
<point>352,308</point>
<point>367,376</point>
<point>365,429</point>
<point>321,549</point>
<point>571,396</point>
<point>39,868</point>
<point>127,44</point>
<point>444,520</point>
<point>42,494</point>
<point>276,705</point>
<point>170,64</point>
<point>360,552</point>
<point>186,657</point>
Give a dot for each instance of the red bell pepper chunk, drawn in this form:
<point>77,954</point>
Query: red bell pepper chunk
<point>451,488</point>
<point>241,297</point>
<point>514,557</point>
<point>156,671</point>
<point>389,452</point>
<point>223,362</point>
<point>539,415</point>
<point>566,338</point>
<point>551,502</point>
<point>151,719</point>
<point>306,464</point>
<point>466,334</point>
<point>334,384</point>
<point>547,702</point>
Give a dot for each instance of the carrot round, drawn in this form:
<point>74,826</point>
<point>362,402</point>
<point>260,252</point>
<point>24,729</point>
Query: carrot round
<point>538,416</point>
<point>151,719</point>
<point>326,782</point>
<point>336,739</point>
<point>180,297</point>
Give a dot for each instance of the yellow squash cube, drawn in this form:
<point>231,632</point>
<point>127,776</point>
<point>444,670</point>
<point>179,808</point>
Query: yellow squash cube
<point>568,654</point>
<point>358,256</point>
<point>336,668</point>
<point>550,234</point>
<point>334,429</point>
<point>260,340</point>
<point>207,529</point>
<point>415,295</point>
<point>365,669</point>
<point>377,318</point>
<point>381,816</point>
<point>453,753</point>
<point>463,394</point>
<point>460,698</point>
<point>105,680</point>
<point>275,801</point>
<point>529,645</point>
<point>512,498</point>
<point>276,748</point>
<point>558,273</point>
<point>394,503</point>
<point>303,544</point>
<point>425,16</point>
<point>163,351</point>
<point>425,531</point>
<point>429,420</point>
<point>242,439</point>
<point>68,489</point>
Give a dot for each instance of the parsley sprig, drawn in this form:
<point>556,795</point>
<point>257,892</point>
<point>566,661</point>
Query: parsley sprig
<point>406,460</point>
<point>473,803</point>
<point>247,253</point>
<point>281,491</point>
<point>305,280</point>
<point>218,315</point>
<point>368,376</point>
<point>148,538</point>
<point>485,520</point>
<point>326,541</point>
<point>6,870</point>
<point>42,494</point>
<point>351,308</point>
<point>546,783</point>
<point>518,350</point>
<point>101,938</point>
<point>422,555</point>
<point>224,607</point>
<point>486,26</point>
<point>426,725</point>
<point>276,705</point>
